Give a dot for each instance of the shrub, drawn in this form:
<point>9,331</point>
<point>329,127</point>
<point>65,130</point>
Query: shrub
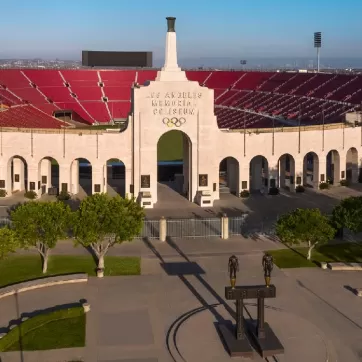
<point>3,193</point>
<point>244,194</point>
<point>273,191</point>
<point>299,188</point>
<point>64,195</point>
<point>324,186</point>
<point>344,183</point>
<point>31,195</point>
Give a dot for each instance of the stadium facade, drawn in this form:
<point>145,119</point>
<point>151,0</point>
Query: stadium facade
<point>271,152</point>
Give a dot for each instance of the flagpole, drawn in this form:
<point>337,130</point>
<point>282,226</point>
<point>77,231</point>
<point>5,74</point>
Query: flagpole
<point>299,121</point>
<point>323,127</point>
<point>244,133</point>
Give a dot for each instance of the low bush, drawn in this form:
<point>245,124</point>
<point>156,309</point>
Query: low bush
<point>3,193</point>
<point>31,195</point>
<point>273,191</point>
<point>344,183</point>
<point>63,196</point>
<point>299,188</point>
<point>244,194</point>
<point>324,186</point>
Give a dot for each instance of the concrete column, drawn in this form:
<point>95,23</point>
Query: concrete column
<point>163,229</point>
<point>64,177</point>
<point>292,177</point>
<point>224,227</point>
<point>4,179</point>
<point>46,170</point>
<point>322,177</point>
<point>186,165</point>
<point>299,170</point>
<point>33,179</point>
<point>282,170</point>
<point>127,181</point>
<point>244,177</point>
<point>339,165</point>
<point>18,175</point>
<point>106,169</point>
<point>74,177</point>
<point>272,173</point>
<point>97,179</point>
<point>305,171</point>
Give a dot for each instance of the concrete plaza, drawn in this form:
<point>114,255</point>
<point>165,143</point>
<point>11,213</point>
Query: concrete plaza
<point>169,312</point>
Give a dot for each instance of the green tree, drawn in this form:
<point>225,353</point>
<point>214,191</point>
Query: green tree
<point>348,214</point>
<point>103,221</point>
<point>41,225</point>
<point>305,225</point>
<point>8,242</point>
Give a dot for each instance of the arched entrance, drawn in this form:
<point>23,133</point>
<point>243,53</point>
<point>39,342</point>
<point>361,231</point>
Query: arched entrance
<point>311,170</point>
<point>333,167</point>
<point>229,176</point>
<point>286,166</point>
<point>259,174</point>
<point>352,165</point>
<point>174,156</point>
<point>49,175</point>
<point>17,175</point>
<point>81,177</point>
<point>115,177</point>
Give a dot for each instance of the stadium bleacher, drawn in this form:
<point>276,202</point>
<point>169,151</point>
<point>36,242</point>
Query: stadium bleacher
<point>251,99</point>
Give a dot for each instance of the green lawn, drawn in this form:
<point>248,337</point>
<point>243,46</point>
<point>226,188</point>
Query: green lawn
<point>170,147</point>
<point>296,258</point>
<point>63,328</point>
<point>19,268</point>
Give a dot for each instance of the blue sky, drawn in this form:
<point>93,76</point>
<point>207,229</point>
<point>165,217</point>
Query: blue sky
<point>214,28</point>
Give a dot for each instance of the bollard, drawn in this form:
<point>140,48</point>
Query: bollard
<point>224,227</point>
<point>163,229</point>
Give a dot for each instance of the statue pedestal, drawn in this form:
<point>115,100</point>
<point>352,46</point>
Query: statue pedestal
<point>235,347</point>
<point>269,344</point>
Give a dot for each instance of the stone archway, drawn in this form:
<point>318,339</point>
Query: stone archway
<point>333,167</point>
<point>311,170</point>
<point>286,170</point>
<point>174,163</point>
<point>115,177</point>
<point>352,165</point>
<point>17,174</point>
<point>229,176</point>
<point>259,174</point>
<point>48,176</point>
<point>81,177</point>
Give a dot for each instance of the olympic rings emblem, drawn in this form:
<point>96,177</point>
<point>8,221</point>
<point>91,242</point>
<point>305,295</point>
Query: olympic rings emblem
<point>174,122</point>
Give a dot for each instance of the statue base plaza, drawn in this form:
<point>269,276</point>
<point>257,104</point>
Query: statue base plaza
<point>172,103</point>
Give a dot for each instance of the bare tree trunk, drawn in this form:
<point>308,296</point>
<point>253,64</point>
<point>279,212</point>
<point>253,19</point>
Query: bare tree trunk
<point>45,261</point>
<point>101,261</point>
<point>311,247</point>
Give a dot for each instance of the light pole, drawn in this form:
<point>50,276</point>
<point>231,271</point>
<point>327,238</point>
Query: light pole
<point>318,45</point>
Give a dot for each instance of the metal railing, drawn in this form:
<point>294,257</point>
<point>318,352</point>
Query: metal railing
<point>150,229</point>
<point>236,225</point>
<point>194,228</point>
<point>4,221</point>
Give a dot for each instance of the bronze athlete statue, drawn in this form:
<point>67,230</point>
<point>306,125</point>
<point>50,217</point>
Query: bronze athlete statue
<point>233,267</point>
<point>268,265</point>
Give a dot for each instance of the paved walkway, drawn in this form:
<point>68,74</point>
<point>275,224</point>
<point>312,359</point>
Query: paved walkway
<point>164,317</point>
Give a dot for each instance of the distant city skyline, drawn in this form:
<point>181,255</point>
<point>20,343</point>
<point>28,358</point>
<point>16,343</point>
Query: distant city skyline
<point>238,29</point>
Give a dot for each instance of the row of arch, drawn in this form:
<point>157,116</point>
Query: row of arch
<point>261,176</point>
<point>80,180</point>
